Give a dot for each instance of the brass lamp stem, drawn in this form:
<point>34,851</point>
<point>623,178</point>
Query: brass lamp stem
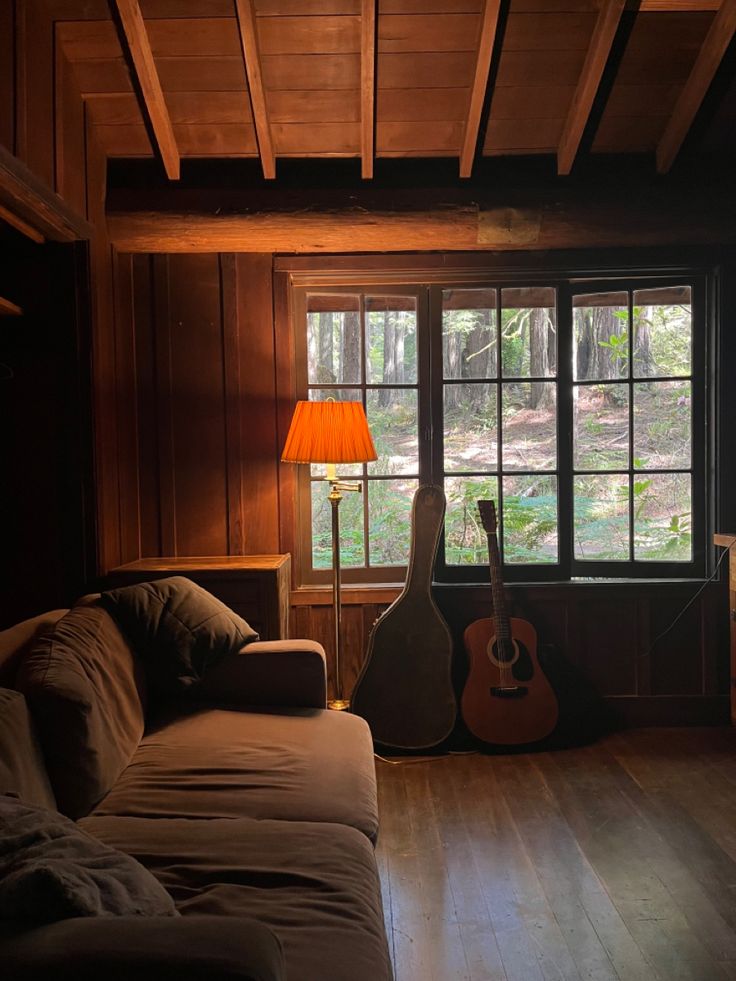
<point>337,487</point>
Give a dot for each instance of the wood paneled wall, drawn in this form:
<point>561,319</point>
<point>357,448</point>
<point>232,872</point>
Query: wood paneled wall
<point>201,453</point>
<point>199,446</point>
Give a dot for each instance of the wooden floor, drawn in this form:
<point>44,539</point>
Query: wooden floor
<point>616,860</point>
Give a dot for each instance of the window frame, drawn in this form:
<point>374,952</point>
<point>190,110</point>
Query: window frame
<point>569,279</point>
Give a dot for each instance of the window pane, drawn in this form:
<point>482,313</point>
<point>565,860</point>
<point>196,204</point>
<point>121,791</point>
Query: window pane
<point>529,332</point>
<point>529,426</point>
<point>600,427</point>
<point>333,339</point>
<point>469,347</point>
<point>391,355</point>
<point>471,427</point>
<point>530,519</point>
<point>662,332</point>
<point>392,417</point>
<point>352,546</point>
<point>339,395</point>
<point>601,517</point>
<point>389,518</point>
<point>600,336</point>
<point>465,540</point>
<point>662,518</point>
<point>662,425</point>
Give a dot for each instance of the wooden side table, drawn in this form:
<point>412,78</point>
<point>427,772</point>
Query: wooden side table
<point>255,586</point>
<point>727,541</point>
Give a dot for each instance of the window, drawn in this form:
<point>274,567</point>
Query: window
<point>577,404</point>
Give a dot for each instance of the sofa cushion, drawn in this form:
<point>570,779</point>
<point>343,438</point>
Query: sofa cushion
<point>301,764</point>
<point>315,885</point>
<point>17,641</point>
<point>22,771</point>
<point>85,690</point>
<point>50,869</point>
<point>178,628</point>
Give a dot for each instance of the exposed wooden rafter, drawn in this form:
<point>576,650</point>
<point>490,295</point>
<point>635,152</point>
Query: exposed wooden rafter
<point>139,46</point>
<point>677,6</point>
<point>249,44</point>
<point>9,309</point>
<point>480,82</point>
<point>367,86</point>
<point>596,58</point>
<point>21,226</point>
<point>714,47</point>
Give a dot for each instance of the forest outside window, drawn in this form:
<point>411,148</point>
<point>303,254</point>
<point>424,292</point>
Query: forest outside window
<point>579,406</point>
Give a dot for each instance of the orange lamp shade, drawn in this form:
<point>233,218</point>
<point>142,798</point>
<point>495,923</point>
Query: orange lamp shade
<point>329,432</point>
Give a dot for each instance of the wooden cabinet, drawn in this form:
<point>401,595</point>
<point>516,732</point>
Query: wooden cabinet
<point>729,541</point>
<point>255,586</point>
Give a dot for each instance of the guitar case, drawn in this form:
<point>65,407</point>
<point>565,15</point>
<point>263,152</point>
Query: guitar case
<point>404,690</point>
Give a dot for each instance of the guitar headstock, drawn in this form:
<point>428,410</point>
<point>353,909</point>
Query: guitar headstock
<point>488,516</point>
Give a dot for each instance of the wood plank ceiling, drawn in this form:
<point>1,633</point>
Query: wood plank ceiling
<point>395,78</point>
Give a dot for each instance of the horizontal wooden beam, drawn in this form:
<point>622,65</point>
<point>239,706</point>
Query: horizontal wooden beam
<point>717,40</point>
<point>8,308</point>
<point>591,220</point>
<point>596,59</point>
<point>35,206</point>
<point>136,37</point>
<point>486,42</point>
<point>678,6</point>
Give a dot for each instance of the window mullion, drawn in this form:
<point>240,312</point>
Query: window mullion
<point>565,421</point>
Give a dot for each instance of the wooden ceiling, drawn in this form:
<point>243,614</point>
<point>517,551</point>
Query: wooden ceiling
<point>401,78</point>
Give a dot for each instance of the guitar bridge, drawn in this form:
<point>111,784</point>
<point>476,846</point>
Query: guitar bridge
<point>509,691</point>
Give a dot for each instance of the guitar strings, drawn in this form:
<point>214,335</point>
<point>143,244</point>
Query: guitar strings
<point>689,603</point>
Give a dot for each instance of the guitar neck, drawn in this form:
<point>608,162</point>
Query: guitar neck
<point>500,612</point>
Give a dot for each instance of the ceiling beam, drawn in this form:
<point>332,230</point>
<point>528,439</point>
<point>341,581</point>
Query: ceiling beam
<point>249,44</point>
<point>139,46</point>
<point>714,47</point>
<point>9,309</point>
<point>21,226</point>
<point>480,83</point>
<point>367,86</point>
<point>677,6</point>
<point>596,59</point>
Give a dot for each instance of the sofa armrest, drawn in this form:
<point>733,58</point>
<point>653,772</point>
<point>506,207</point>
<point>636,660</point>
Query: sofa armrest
<point>276,673</point>
<point>136,948</point>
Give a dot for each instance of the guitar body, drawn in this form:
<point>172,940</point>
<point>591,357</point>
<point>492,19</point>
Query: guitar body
<point>509,703</point>
<point>405,690</point>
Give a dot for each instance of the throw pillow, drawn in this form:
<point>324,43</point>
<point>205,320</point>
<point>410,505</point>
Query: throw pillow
<point>178,628</point>
<point>51,870</point>
<point>22,771</point>
<point>86,692</point>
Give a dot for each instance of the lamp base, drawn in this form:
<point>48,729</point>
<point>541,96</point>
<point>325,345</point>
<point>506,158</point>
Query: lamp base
<point>338,704</point>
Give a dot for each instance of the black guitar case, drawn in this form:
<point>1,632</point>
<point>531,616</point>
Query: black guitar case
<point>404,690</point>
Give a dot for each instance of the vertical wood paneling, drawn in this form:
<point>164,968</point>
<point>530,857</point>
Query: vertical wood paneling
<point>676,658</point>
<point>125,372</point>
<point>70,135</point>
<point>164,420</point>
<point>260,450</point>
<point>197,404</point>
<point>7,74</point>
<point>609,645</point>
<point>35,128</point>
<point>105,382</point>
<point>233,415</point>
<point>148,455</point>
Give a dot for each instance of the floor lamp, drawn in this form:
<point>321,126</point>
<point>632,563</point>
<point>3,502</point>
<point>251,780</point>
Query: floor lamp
<point>331,432</point>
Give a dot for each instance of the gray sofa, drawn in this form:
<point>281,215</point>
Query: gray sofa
<point>251,803</point>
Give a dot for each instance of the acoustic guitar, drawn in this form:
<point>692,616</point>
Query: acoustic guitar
<point>507,698</point>
<point>405,690</point>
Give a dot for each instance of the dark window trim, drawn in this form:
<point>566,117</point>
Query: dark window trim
<point>576,272</point>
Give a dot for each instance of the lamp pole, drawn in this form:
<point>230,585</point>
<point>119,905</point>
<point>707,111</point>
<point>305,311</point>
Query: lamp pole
<point>337,488</point>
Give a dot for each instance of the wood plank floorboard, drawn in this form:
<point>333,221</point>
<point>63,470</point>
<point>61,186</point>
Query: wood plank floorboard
<point>609,862</point>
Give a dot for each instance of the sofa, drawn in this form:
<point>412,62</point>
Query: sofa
<point>242,795</point>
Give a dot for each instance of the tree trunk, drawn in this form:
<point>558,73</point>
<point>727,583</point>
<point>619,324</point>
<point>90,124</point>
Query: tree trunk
<point>325,369</point>
<point>350,348</point>
<point>538,358</point>
<point>389,358</point>
<point>644,363</point>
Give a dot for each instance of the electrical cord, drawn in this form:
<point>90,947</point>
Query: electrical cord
<point>689,603</point>
<point>426,759</point>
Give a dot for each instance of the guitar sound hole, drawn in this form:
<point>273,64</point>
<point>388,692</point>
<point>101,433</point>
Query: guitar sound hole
<point>522,669</point>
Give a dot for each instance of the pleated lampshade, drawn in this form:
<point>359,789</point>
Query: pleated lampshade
<point>329,432</point>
